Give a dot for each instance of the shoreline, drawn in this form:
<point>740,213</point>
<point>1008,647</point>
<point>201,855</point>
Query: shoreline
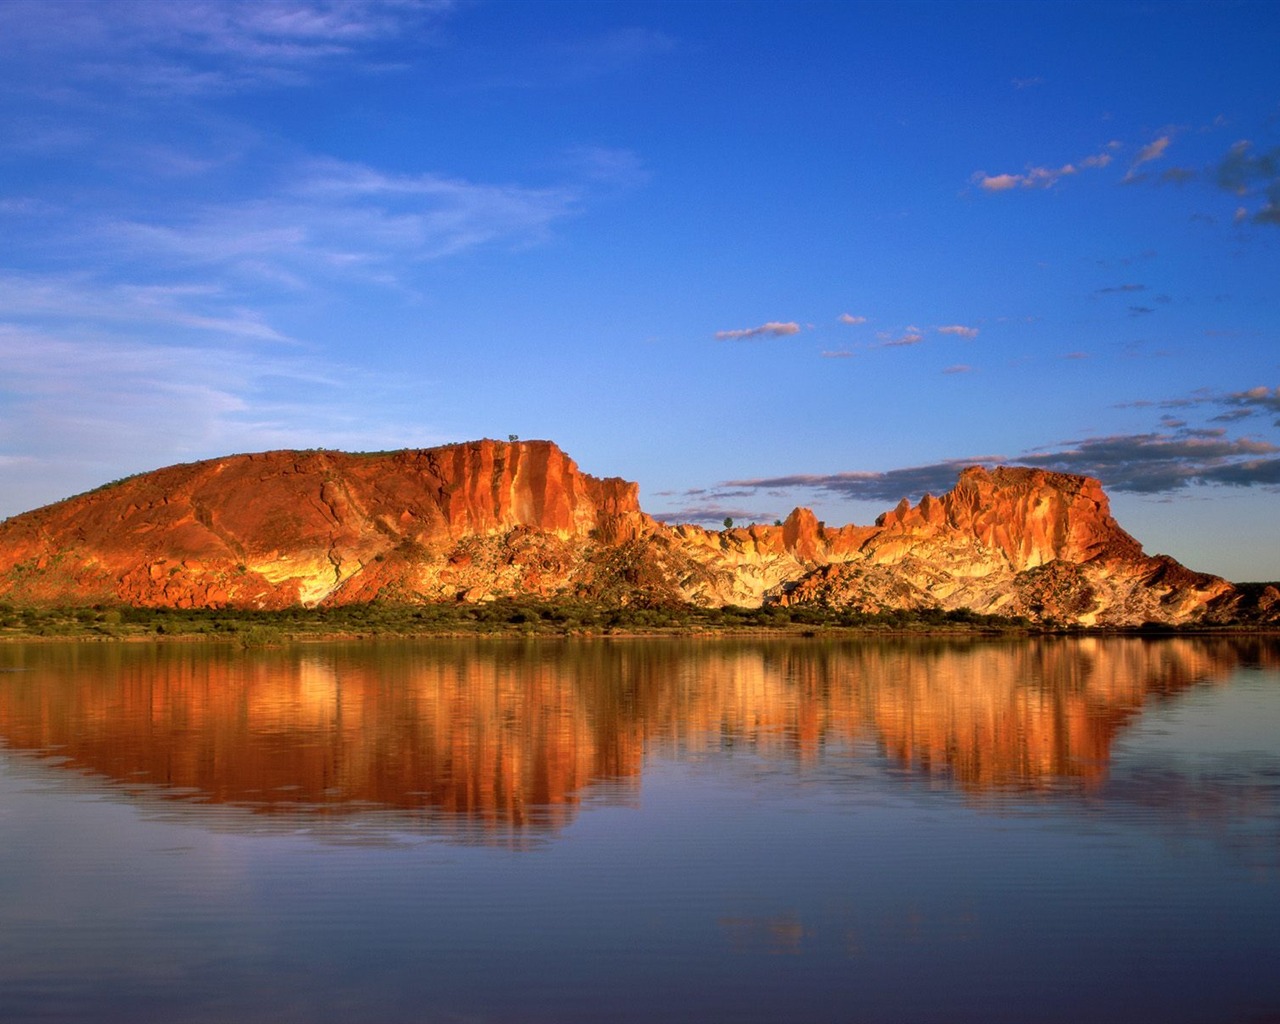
<point>254,638</point>
<point>515,619</point>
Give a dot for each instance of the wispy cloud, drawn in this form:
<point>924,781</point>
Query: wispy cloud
<point>1160,461</point>
<point>68,298</point>
<point>167,49</point>
<point>1152,151</point>
<point>1120,289</point>
<point>838,354</point>
<point>849,318</point>
<point>1039,176</point>
<point>1254,401</point>
<point>1152,463</point>
<point>76,397</point>
<point>614,51</point>
<point>348,219</point>
<point>887,486</point>
<point>1254,177</point>
<point>958,368</point>
<point>713,506</point>
<point>715,515</point>
<point>607,165</point>
<point>1179,175</point>
<point>910,336</point>
<point>773,329</point>
<point>959,331</point>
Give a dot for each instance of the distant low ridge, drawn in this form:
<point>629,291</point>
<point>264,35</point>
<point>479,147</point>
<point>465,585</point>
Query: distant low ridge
<point>488,519</point>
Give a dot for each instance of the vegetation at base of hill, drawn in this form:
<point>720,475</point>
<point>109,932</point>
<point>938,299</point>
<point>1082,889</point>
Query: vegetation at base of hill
<point>502,617</point>
<point>505,617</point>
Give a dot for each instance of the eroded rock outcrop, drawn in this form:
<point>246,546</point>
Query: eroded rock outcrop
<point>485,519</point>
<point>282,528</point>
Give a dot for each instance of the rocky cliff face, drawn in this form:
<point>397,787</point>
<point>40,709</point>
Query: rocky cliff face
<point>1008,541</point>
<point>283,528</point>
<point>484,519</point>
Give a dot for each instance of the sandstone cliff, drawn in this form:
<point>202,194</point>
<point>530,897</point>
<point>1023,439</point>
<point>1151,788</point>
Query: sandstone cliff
<point>283,528</point>
<point>484,519</point>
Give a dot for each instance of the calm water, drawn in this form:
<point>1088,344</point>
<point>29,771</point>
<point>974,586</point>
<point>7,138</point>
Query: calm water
<point>1039,831</point>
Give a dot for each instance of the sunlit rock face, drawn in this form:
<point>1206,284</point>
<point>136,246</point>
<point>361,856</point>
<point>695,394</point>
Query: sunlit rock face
<point>488,519</point>
<point>1015,541</point>
<point>285,528</point>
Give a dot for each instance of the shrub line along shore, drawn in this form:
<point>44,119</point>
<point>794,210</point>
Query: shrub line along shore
<point>517,619</point>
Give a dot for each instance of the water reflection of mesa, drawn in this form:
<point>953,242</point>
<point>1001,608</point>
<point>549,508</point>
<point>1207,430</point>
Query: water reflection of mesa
<point>508,735</point>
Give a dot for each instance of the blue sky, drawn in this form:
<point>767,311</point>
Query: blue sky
<point>749,255</point>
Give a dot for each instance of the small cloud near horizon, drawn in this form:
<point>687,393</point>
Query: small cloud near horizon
<point>774,329</point>
<point>910,336</point>
<point>715,515</point>
<point>1120,289</point>
<point>1157,462</point>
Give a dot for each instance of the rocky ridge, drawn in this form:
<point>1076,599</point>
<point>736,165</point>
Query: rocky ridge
<point>489,519</point>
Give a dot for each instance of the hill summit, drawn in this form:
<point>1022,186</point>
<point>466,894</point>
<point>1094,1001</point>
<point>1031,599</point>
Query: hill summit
<point>486,519</point>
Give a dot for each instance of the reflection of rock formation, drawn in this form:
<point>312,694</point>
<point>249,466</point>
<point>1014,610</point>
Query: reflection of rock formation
<point>513,735</point>
<point>487,738</point>
<point>1028,715</point>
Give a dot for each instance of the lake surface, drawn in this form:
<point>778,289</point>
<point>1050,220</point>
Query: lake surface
<point>632,831</point>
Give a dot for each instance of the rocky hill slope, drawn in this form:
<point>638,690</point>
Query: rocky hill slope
<point>487,519</point>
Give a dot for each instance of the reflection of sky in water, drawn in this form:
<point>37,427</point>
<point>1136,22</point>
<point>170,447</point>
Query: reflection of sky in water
<point>733,879</point>
<point>1239,718</point>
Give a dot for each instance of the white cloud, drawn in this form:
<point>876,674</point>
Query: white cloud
<point>848,318</point>
<point>959,330</point>
<point>773,328</point>
<point>998,182</point>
